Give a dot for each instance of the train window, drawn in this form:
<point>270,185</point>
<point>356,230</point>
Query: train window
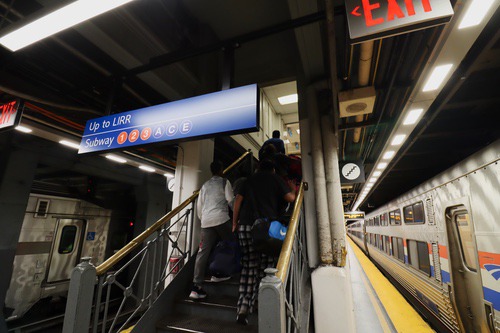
<point>418,256</point>
<point>394,247</point>
<point>387,245</point>
<point>67,241</point>
<point>395,217</point>
<point>377,220</point>
<point>465,236</point>
<point>414,213</point>
<point>384,219</point>
<point>424,263</point>
<point>401,249</point>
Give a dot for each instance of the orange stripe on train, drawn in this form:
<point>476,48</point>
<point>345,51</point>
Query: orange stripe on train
<point>488,258</point>
<point>443,251</point>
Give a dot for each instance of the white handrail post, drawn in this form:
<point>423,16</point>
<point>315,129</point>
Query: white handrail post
<point>80,298</point>
<point>272,315</point>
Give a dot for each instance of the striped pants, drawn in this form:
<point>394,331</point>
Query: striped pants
<point>253,265</point>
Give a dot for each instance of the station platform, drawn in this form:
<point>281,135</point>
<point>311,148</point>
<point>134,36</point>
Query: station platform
<point>378,305</point>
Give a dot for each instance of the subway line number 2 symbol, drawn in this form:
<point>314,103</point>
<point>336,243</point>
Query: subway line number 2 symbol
<point>351,171</point>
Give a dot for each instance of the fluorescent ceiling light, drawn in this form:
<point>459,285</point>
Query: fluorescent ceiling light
<point>286,141</point>
<point>116,158</point>
<point>70,144</point>
<point>377,173</point>
<point>437,77</point>
<point>23,129</point>
<point>476,13</point>
<point>413,116</point>
<point>371,181</point>
<point>289,99</point>
<point>146,168</point>
<point>388,155</point>
<point>59,20</point>
<point>398,139</point>
<point>168,175</point>
<point>382,165</point>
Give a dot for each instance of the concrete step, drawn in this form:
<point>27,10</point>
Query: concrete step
<point>196,324</point>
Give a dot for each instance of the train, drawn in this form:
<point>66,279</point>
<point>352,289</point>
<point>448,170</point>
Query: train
<point>440,244</point>
<point>56,232</point>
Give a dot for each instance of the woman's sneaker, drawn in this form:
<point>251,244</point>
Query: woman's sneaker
<point>220,278</point>
<point>197,293</point>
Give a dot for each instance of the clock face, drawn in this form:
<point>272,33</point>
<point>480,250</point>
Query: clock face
<point>171,184</point>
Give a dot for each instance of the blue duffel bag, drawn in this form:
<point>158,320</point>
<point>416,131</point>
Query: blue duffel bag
<point>225,259</point>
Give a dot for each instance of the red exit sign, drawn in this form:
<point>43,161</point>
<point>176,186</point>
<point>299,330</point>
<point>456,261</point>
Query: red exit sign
<point>373,19</point>
<point>9,114</point>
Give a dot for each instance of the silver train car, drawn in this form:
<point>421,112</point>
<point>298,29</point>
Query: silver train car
<point>55,234</point>
<point>441,243</point>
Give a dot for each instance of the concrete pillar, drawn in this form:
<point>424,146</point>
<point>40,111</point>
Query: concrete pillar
<point>151,198</point>
<point>192,170</point>
<point>17,169</point>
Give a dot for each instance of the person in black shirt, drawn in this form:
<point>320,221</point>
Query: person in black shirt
<point>264,194</point>
<point>276,142</point>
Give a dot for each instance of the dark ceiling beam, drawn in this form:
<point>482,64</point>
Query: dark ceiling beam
<point>350,126</point>
<point>184,54</point>
<point>472,103</point>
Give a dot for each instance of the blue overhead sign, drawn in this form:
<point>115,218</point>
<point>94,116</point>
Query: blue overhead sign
<point>228,111</point>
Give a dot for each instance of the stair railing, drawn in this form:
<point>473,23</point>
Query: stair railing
<point>163,253</point>
<point>284,293</point>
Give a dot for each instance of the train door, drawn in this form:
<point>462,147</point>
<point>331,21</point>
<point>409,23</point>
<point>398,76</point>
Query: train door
<point>464,270</point>
<point>66,249</point>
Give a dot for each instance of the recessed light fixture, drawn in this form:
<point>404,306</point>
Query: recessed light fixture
<point>59,20</point>
<point>70,144</point>
<point>116,158</point>
<point>288,99</point>
<point>382,165</point>
<point>476,13</point>
<point>146,168</point>
<point>23,129</point>
<point>398,139</point>
<point>413,116</point>
<point>377,173</point>
<point>437,77</point>
<point>388,155</point>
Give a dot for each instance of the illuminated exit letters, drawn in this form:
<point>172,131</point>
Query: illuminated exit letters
<point>9,114</point>
<point>372,19</point>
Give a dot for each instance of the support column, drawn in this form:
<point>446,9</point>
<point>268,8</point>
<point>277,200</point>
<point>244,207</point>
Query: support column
<point>192,170</point>
<point>17,170</point>
<point>151,200</point>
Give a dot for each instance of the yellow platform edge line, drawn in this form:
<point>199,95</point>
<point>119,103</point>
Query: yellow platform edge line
<point>403,316</point>
<point>128,330</point>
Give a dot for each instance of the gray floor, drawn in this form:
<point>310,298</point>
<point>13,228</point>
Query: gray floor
<point>366,302</point>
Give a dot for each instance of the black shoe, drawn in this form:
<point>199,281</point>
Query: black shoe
<point>197,293</point>
<point>242,319</point>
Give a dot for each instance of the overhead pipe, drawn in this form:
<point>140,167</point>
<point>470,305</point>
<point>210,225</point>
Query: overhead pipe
<point>365,61</point>
<point>319,176</point>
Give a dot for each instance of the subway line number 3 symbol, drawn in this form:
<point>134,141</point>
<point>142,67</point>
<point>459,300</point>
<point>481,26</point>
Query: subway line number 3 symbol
<point>351,171</point>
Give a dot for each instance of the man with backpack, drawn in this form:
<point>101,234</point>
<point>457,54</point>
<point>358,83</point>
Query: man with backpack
<point>215,197</point>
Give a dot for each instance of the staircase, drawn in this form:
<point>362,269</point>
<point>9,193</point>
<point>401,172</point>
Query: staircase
<point>214,314</point>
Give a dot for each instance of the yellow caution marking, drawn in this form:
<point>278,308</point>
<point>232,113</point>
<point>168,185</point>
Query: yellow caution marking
<point>401,313</point>
<point>128,330</point>
<point>376,306</point>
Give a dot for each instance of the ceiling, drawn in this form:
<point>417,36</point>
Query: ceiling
<point>154,51</point>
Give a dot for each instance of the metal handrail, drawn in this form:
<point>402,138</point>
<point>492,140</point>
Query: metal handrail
<point>286,250</point>
<point>120,254</point>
